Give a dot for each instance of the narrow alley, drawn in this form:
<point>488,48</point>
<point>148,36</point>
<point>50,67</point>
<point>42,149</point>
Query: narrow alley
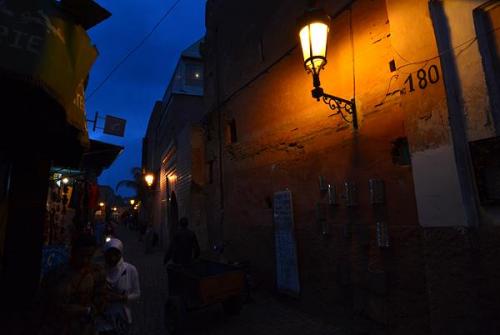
<point>314,167</point>
<point>264,316</point>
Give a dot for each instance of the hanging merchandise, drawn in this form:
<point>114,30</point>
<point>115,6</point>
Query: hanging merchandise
<point>93,196</point>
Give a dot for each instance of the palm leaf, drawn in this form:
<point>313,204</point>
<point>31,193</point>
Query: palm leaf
<point>127,183</point>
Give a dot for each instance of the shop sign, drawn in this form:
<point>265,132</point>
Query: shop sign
<point>114,126</point>
<point>40,45</point>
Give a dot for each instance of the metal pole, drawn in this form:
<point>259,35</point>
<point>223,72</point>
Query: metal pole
<point>354,115</point>
<point>95,120</point>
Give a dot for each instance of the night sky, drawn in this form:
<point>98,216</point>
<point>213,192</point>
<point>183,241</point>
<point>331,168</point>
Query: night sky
<point>133,89</point>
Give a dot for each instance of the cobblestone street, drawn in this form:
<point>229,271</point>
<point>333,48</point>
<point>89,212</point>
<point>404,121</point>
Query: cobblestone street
<point>264,316</point>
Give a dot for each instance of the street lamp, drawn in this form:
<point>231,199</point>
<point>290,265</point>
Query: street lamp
<point>149,178</point>
<point>132,202</point>
<point>65,180</point>
<point>314,26</point>
<point>101,204</point>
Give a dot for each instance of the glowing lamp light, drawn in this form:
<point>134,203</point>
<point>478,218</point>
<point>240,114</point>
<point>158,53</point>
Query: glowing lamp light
<point>313,33</point>
<point>108,239</point>
<point>101,204</point>
<point>132,202</point>
<point>65,180</point>
<point>313,28</point>
<point>149,178</point>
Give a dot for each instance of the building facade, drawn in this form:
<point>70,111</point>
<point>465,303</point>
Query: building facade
<point>395,222</point>
<point>173,150</point>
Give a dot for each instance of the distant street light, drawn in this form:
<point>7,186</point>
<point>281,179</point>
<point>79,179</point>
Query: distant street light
<point>65,180</point>
<point>101,204</point>
<point>132,202</point>
<point>149,178</point>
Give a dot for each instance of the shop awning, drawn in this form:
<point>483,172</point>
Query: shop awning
<point>86,12</point>
<point>100,156</point>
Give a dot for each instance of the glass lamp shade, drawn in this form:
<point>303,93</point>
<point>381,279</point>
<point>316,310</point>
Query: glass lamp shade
<point>313,32</point>
<point>149,178</point>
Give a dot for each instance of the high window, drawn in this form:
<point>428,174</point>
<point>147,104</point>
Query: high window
<point>193,75</point>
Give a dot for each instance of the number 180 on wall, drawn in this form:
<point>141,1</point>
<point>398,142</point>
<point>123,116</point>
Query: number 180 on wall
<point>421,79</point>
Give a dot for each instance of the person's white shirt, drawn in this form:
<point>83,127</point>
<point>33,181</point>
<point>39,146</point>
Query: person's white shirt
<point>125,280</point>
<point>122,279</point>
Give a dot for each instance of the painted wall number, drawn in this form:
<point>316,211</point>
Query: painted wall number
<point>424,78</point>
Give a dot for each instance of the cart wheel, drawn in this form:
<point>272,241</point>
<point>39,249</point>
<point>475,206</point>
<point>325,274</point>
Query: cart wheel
<point>175,314</point>
<point>232,306</point>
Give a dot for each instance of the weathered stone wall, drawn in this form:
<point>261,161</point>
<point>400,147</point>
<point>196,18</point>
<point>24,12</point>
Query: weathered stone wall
<point>285,139</point>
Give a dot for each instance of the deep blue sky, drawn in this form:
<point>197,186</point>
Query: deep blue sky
<point>134,88</point>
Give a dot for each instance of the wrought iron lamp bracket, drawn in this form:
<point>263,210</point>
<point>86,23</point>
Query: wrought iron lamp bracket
<point>345,108</point>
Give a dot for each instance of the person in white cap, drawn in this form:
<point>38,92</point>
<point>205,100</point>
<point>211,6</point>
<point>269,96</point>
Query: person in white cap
<point>122,288</point>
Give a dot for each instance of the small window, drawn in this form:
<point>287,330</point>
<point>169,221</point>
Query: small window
<point>486,161</point>
<point>231,133</point>
<point>401,152</point>
<point>194,75</point>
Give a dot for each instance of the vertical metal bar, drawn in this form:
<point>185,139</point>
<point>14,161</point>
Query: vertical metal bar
<point>95,120</point>
<point>354,115</point>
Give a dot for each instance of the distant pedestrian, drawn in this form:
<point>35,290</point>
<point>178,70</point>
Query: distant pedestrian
<point>184,247</point>
<point>99,230</point>
<point>148,239</point>
<point>122,287</point>
<point>124,218</point>
<point>143,227</point>
<point>110,229</point>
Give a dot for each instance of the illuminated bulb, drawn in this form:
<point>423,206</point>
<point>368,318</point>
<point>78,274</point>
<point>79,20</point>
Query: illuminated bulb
<point>149,178</point>
<point>313,34</point>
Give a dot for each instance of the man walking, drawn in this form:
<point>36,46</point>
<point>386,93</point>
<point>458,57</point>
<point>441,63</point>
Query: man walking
<point>184,248</point>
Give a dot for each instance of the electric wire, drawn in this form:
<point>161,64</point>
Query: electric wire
<point>133,50</point>
<point>466,45</point>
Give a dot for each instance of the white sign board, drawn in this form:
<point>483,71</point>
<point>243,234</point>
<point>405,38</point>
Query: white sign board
<point>287,274</point>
